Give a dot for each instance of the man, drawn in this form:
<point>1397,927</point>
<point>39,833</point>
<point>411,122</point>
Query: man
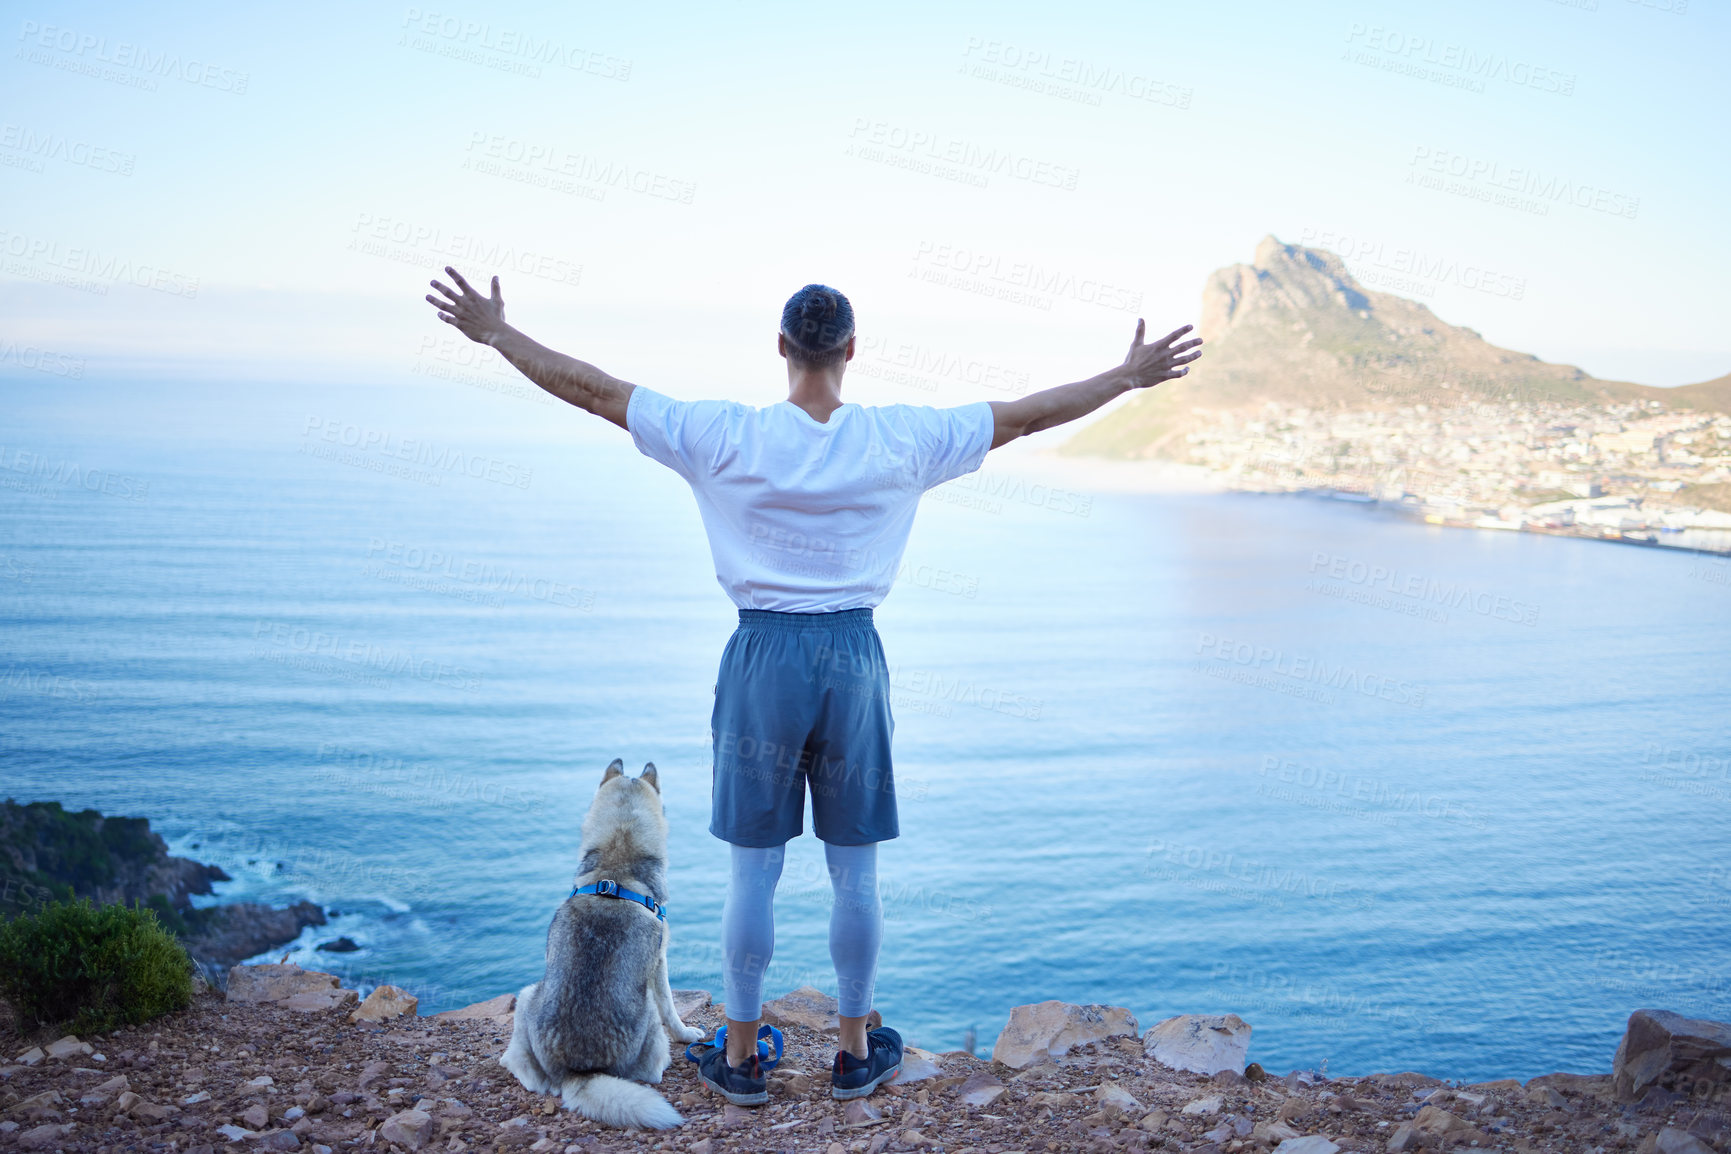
<point>807,504</point>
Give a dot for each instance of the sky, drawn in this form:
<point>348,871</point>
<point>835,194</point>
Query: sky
<point>259,194</point>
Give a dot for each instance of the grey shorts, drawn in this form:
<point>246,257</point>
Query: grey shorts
<point>803,698</point>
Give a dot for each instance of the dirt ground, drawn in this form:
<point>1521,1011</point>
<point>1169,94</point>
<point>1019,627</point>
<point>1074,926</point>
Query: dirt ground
<point>290,1080</point>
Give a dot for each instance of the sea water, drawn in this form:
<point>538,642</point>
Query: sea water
<point>1399,795</point>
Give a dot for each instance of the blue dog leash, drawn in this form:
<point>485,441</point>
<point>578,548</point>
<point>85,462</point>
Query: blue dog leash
<point>607,888</point>
<point>764,1057</point>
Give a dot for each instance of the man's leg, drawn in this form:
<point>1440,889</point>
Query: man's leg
<point>856,929</point>
<point>748,942</point>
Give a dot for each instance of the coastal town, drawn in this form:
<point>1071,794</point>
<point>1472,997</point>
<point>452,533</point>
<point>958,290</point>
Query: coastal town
<point>1635,472</point>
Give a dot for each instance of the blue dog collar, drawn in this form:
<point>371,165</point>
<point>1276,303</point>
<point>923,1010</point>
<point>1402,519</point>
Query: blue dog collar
<point>607,888</point>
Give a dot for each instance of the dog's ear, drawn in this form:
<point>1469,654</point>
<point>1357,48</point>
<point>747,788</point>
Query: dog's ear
<point>649,775</point>
<point>616,769</point>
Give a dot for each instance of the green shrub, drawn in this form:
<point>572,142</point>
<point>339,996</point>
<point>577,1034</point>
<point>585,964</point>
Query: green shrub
<point>91,968</point>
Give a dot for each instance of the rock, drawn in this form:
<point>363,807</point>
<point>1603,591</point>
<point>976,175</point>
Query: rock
<point>510,1135</point>
<point>324,1000</point>
<point>1548,1097</point>
<point>114,1085</point>
<point>1110,1095</point>
<point>1500,1086</point>
<point>860,1112</point>
<point>795,1083</point>
<point>293,1114</point>
<point>384,1003</point>
<point>40,1107</point>
<point>256,1117</point>
<point>1046,1030</point>
<point>732,1116</point>
<point>1209,1105</point>
<point>31,1056</point>
<point>1273,1133</point>
<point>259,1082</point>
<point>1674,1141</point>
<point>372,1072</point>
<point>411,1129</point>
<point>1436,1120</point>
<point>1255,1073</point>
<point>127,1101</point>
<point>807,1006</point>
<point>46,1135</point>
<point>688,1002</point>
<point>917,1066</point>
<point>339,946</point>
<point>235,1133</point>
<point>707,1146</point>
<point>277,983</point>
<point>981,1089</point>
<point>195,1099</point>
<point>154,1111</point>
<point>1310,1144</point>
<point>1598,1085</point>
<point>1666,1049</point>
<point>230,934</point>
<point>68,1048</point>
<point>1658,1100</point>
<point>284,1140</point>
<point>1401,1139</point>
<point>1200,1043</point>
<point>497,1009</point>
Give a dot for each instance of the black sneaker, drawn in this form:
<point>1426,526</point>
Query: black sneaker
<point>853,1077</point>
<point>742,1085</point>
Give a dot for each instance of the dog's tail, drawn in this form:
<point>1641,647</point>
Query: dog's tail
<point>617,1102</point>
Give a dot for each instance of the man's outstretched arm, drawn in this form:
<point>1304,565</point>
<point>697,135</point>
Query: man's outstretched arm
<point>482,319</point>
<point>1144,367</point>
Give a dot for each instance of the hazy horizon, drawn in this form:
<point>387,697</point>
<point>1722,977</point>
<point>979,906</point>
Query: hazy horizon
<point>286,188</point>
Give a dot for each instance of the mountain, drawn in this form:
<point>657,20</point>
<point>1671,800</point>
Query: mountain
<point>1294,327</point>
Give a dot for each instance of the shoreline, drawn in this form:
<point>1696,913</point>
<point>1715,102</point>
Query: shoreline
<point>1153,476</point>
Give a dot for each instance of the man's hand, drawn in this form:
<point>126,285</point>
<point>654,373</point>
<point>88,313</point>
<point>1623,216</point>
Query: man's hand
<point>481,319</point>
<point>1147,365</point>
<point>1144,367</point>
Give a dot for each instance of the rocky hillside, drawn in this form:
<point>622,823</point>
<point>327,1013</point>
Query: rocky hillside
<point>1295,327</point>
<point>290,1062</point>
<point>48,853</point>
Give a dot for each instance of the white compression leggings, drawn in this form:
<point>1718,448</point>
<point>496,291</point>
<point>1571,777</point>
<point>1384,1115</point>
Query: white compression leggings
<point>856,926</point>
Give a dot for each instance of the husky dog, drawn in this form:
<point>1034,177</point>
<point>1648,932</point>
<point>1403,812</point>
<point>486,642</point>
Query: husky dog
<point>592,1029</point>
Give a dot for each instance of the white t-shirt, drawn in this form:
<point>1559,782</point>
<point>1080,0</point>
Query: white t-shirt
<point>805,516</point>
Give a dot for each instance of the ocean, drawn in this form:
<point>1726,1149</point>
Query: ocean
<point>1402,796</point>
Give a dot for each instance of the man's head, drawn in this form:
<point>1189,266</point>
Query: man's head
<point>816,327</point>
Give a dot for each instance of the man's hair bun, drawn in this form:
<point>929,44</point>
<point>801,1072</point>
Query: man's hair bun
<point>817,322</point>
